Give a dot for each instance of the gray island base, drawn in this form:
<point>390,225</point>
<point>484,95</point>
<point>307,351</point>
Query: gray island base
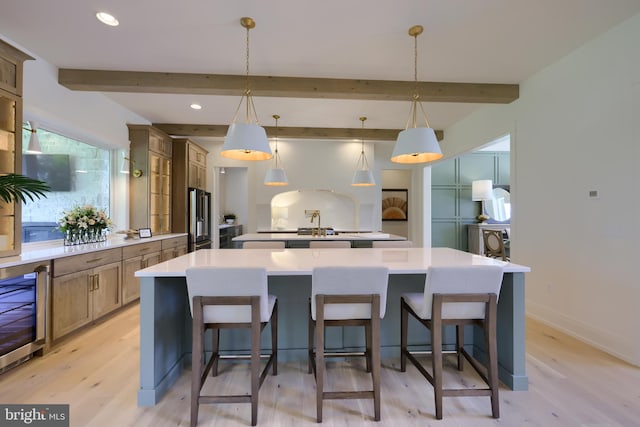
<point>165,320</point>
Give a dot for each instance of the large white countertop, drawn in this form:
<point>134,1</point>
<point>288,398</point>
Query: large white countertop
<point>295,236</point>
<point>52,249</point>
<point>291,262</point>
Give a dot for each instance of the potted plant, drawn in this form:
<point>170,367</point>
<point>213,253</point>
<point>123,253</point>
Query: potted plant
<point>230,218</point>
<point>15,187</point>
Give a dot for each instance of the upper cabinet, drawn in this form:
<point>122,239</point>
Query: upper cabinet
<point>150,187</point>
<point>11,61</point>
<point>189,171</point>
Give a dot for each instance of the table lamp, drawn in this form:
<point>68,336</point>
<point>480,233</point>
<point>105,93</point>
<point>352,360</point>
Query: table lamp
<point>482,190</point>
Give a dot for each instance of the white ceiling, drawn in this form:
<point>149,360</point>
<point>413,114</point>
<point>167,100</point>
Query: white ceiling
<point>475,41</point>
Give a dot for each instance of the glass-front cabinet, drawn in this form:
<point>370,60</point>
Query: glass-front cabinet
<point>150,180</point>
<point>11,60</point>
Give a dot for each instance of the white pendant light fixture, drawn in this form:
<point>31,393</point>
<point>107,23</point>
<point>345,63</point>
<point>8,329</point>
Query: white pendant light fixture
<point>248,140</point>
<point>276,176</point>
<point>34,144</point>
<point>416,144</point>
<point>363,177</point>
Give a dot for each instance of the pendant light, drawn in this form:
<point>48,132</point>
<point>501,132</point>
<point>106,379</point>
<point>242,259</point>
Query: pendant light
<point>276,176</point>
<point>363,176</point>
<point>416,144</point>
<point>248,140</point>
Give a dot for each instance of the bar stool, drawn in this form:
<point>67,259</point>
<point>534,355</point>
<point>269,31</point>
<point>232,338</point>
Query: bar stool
<point>456,296</point>
<point>263,245</point>
<point>347,296</point>
<point>315,244</point>
<point>222,298</point>
<point>392,244</point>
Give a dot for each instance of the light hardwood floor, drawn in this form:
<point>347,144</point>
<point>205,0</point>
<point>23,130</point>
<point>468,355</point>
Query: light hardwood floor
<point>96,372</point>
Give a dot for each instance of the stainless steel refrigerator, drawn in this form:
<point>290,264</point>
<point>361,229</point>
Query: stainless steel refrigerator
<point>199,219</point>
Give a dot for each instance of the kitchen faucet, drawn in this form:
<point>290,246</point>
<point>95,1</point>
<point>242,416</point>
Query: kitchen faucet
<point>315,213</point>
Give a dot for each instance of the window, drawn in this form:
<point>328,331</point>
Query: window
<point>77,173</point>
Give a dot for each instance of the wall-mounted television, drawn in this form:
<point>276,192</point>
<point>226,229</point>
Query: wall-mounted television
<point>53,169</point>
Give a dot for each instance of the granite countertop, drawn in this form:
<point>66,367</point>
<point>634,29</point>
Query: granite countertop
<point>52,249</point>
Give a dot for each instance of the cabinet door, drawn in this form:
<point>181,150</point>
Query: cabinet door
<point>130,283</point>
<point>71,303</point>
<point>106,289</point>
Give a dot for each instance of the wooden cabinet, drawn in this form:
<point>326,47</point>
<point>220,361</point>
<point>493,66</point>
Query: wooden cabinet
<point>134,258</point>
<point>189,170</point>
<point>84,288</point>
<point>11,61</point>
<point>150,192</point>
<point>174,247</point>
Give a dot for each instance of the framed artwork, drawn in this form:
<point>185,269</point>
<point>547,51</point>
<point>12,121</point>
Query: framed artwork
<point>144,232</point>
<point>395,204</point>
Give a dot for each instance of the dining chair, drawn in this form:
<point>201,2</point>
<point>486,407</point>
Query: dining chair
<point>221,298</point>
<point>264,245</point>
<point>455,296</point>
<point>392,244</point>
<point>494,244</point>
<point>315,244</point>
<point>347,296</point>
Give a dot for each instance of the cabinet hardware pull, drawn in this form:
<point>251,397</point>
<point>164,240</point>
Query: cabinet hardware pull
<point>93,260</point>
<point>97,282</point>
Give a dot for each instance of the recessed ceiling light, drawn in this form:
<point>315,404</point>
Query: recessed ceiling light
<point>196,106</point>
<point>107,19</point>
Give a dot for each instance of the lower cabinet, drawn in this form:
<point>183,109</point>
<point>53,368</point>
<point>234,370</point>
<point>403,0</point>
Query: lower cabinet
<point>88,286</point>
<point>174,247</point>
<point>134,258</point>
<point>79,298</point>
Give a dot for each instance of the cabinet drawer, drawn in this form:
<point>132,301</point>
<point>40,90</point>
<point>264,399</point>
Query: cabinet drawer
<point>174,242</point>
<point>140,249</point>
<point>62,266</point>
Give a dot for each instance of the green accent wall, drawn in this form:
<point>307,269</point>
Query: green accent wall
<point>451,205</point>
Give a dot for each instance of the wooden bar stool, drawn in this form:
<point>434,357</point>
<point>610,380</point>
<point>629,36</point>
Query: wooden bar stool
<point>347,296</point>
<point>456,296</point>
<point>229,298</point>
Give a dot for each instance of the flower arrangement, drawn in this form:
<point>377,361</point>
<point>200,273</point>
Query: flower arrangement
<point>84,224</point>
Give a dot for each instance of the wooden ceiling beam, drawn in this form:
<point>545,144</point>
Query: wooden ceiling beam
<point>288,87</point>
<point>190,130</point>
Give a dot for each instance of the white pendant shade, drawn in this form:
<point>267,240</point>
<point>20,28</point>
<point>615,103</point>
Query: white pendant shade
<point>416,145</point>
<point>34,144</point>
<point>363,178</point>
<point>276,177</point>
<point>246,141</point>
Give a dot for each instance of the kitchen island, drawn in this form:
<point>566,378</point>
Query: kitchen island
<point>295,240</point>
<point>165,320</point>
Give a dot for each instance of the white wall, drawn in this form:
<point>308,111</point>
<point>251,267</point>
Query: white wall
<point>576,128</point>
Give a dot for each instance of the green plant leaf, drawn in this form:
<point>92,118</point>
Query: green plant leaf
<point>14,187</point>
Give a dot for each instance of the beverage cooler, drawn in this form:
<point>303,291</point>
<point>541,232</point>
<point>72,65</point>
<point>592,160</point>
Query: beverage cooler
<point>23,314</point>
<point>199,214</point>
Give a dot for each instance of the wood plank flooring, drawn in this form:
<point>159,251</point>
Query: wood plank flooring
<point>96,372</point>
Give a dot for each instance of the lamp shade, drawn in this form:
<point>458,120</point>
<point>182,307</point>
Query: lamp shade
<point>481,190</point>
<point>276,177</point>
<point>363,178</point>
<point>416,145</point>
<point>34,144</point>
<point>246,141</point>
